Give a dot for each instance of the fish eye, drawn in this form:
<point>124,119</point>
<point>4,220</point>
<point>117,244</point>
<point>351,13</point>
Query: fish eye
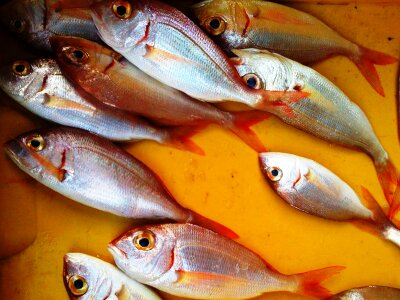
<point>253,81</point>
<point>274,173</point>
<point>18,26</point>
<point>75,55</point>
<point>122,9</point>
<point>215,25</point>
<point>144,240</point>
<point>21,68</point>
<point>36,142</point>
<point>77,285</point>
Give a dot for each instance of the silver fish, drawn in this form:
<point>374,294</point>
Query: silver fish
<point>164,43</point>
<point>89,278</point>
<point>369,293</point>
<point>310,187</point>
<point>35,21</point>
<point>193,262</point>
<point>95,172</point>
<point>326,113</point>
<point>39,86</point>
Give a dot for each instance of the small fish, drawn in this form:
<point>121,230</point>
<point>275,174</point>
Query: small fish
<point>39,86</point>
<point>34,21</point>
<point>310,187</point>
<point>326,113</point>
<point>165,44</point>
<point>239,24</point>
<point>193,262</point>
<point>95,172</point>
<point>89,278</point>
<point>118,83</point>
<point>369,293</point>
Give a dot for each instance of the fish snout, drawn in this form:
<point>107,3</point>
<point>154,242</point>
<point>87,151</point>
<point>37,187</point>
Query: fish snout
<point>19,154</point>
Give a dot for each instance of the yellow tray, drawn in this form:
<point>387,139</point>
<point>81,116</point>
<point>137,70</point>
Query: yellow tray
<point>225,185</point>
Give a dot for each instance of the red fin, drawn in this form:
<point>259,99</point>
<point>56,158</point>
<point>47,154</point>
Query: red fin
<point>272,99</point>
<point>365,63</point>
<point>212,225</point>
<point>395,207</point>
<point>367,226</point>
<point>388,179</point>
<point>310,282</point>
<point>378,215</point>
<point>242,121</point>
<point>179,138</point>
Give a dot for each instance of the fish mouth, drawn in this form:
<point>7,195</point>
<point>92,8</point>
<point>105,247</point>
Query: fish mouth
<point>116,252</point>
<point>15,150</point>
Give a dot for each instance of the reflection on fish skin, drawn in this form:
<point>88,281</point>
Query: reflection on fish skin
<point>95,172</point>
<point>240,24</point>
<point>87,278</point>
<point>326,113</point>
<point>189,261</point>
<point>311,188</point>
<point>368,293</point>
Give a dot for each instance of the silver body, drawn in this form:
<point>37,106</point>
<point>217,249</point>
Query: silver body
<point>369,293</point>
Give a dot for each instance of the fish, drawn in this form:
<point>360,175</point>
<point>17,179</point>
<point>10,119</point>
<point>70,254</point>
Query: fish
<point>39,86</point>
<point>94,172</point>
<point>193,262</point>
<point>167,45</point>
<point>88,278</point>
<point>310,187</point>
<point>369,293</point>
<point>327,112</point>
<point>116,82</point>
<point>241,24</point>
<point>35,21</point>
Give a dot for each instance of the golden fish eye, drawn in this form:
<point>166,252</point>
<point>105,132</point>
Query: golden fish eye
<point>144,240</point>
<point>122,9</point>
<point>21,68</point>
<point>274,173</point>
<point>77,285</point>
<point>36,142</point>
<point>252,81</point>
<point>18,26</point>
<point>75,55</point>
<point>215,25</point>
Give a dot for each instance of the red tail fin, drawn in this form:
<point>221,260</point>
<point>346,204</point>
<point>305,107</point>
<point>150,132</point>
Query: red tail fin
<point>179,138</point>
<point>310,282</point>
<point>388,178</point>
<point>365,63</point>
<point>242,121</point>
<point>210,224</point>
<point>395,207</point>
<point>273,99</point>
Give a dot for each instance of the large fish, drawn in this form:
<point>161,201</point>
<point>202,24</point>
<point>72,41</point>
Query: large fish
<point>310,187</point>
<point>120,84</point>
<point>326,113</point>
<point>239,24</point>
<point>193,262</point>
<point>39,86</point>
<point>368,293</point>
<point>164,43</point>
<point>89,278</point>
<point>95,172</point>
<point>34,21</point>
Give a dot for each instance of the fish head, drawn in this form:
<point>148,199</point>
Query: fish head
<point>121,23</point>
<point>26,19</point>
<point>23,80</point>
<point>282,170</point>
<point>43,154</point>
<point>146,253</point>
<point>84,279</point>
<point>80,58</point>
<point>225,21</point>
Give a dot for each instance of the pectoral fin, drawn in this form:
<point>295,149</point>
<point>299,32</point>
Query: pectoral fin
<point>61,103</point>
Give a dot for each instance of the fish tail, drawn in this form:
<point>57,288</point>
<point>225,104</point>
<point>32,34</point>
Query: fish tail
<point>389,181</point>
<point>180,138</point>
<point>242,121</point>
<point>271,100</point>
<point>310,282</point>
<point>365,61</point>
<point>198,219</point>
